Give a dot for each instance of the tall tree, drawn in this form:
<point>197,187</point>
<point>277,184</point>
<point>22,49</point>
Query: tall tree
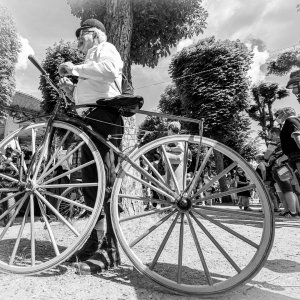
<point>284,62</point>
<point>212,79</point>
<point>264,96</point>
<point>10,46</point>
<point>144,30</point>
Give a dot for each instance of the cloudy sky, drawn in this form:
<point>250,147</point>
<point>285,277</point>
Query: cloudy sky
<point>41,23</point>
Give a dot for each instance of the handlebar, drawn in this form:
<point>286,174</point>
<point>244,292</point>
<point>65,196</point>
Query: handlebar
<point>37,65</point>
<point>60,92</point>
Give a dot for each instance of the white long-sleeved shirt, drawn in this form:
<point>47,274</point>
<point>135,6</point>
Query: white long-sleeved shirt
<point>102,66</point>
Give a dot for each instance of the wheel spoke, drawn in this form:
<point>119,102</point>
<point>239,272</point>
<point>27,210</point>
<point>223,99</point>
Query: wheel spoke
<point>39,159</point>
<point>69,172</point>
<point>214,179</point>
<point>56,152</point>
<point>9,178</point>
<point>148,213</point>
<point>185,161</point>
<point>51,235</point>
<point>220,248</point>
<point>201,256</point>
<point>8,190</point>
<point>67,185</point>
<point>69,201</point>
<point>16,246</point>
<point>180,252</point>
<point>226,193</point>
<point>33,140</point>
<point>32,230</point>
<point>144,199</point>
<point>163,244</point>
<point>151,229</point>
<point>60,217</point>
<point>230,211</point>
<point>170,169</point>
<point>45,174</point>
<point>19,204</point>
<point>156,173</point>
<point>10,196</point>
<point>23,165</point>
<point>10,163</point>
<point>196,178</point>
<point>241,237</point>
<point>168,193</point>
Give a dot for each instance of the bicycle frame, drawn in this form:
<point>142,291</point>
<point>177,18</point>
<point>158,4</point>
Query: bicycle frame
<point>77,122</point>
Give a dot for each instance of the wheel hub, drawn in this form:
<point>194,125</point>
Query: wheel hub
<point>184,203</point>
<point>29,186</point>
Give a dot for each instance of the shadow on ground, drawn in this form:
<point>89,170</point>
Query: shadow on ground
<point>146,288</point>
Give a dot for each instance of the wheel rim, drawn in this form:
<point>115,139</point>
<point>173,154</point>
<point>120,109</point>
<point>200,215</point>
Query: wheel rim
<point>156,241</point>
<point>39,235</point>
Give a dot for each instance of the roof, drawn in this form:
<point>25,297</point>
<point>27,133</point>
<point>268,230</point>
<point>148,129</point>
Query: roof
<point>26,101</point>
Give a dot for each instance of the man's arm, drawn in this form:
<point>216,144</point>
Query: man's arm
<point>296,136</point>
<point>271,148</point>
<point>105,64</point>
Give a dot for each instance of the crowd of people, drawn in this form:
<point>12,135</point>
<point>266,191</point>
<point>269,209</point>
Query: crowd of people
<point>279,166</point>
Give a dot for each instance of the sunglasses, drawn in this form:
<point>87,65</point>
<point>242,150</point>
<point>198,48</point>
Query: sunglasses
<point>82,33</point>
<point>279,115</point>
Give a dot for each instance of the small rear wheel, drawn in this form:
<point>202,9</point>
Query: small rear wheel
<point>43,226</point>
<point>192,241</point>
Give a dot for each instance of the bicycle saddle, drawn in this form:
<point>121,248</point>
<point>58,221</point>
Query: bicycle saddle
<point>127,104</point>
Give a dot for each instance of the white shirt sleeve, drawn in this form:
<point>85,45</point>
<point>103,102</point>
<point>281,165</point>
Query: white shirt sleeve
<point>104,62</point>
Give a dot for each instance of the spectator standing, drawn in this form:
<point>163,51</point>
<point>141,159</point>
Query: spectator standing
<point>175,154</point>
<point>273,152</point>
<point>290,136</point>
<point>284,187</point>
<point>243,197</point>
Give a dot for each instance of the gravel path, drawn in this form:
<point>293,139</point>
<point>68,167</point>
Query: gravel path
<point>279,279</point>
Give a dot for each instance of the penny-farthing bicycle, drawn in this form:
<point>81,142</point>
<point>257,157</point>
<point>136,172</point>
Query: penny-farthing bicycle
<point>180,243</point>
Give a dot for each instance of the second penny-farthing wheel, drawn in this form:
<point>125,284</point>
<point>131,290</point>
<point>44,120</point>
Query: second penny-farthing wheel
<point>186,246</point>
<point>42,230</point>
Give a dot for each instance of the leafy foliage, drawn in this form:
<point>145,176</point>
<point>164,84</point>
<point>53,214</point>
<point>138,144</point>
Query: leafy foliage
<point>211,78</point>
<point>264,96</point>
<point>10,46</point>
<point>170,102</point>
<point>152,128</point>
<point>59,53</point>
<point>284,63</point>
<point>157,24</point>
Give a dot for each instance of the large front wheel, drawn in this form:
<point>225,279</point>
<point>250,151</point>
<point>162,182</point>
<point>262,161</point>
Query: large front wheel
<point>191,238</point>
<point>42,172</point>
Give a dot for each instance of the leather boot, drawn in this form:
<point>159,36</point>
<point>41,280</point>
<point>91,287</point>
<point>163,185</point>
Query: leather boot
<point>92,244</point>
<point>106,257</point>
<point>87,250</point>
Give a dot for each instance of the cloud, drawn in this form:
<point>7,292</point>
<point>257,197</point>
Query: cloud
<point>260,58</point>
<point>23,55</point>
<point>184,43</point>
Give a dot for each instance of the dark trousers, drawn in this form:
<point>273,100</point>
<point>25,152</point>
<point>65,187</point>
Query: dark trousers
<point>111,123</point>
